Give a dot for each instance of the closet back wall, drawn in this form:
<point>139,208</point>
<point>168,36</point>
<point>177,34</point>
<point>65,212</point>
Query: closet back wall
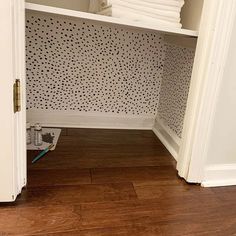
<point>88,69</point>
<point>86,74</point>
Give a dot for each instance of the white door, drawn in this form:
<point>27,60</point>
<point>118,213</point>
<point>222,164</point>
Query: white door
<point>12,131</point>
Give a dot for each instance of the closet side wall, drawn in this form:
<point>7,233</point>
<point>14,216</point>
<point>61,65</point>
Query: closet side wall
<point>86,74</point>
<point>175,86</point>
<point>174,92</point>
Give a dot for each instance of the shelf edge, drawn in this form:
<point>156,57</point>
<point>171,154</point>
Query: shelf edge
<point>107,19</point>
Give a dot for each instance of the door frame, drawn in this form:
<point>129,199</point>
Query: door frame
<point>212,50</point>
<point>20,73</point>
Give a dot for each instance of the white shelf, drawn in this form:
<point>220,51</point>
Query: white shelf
<point>108,19</point>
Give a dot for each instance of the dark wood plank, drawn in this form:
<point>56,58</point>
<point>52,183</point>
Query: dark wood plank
<point>229,193</point>
<point>129,230</point>
<point>104,148</point>
<point>169,189</point>
<point>185,209</point>
<point>212,227</point>
<point>50,177</point>
<point>216,219</point>
<point>39,220</point>
<point>134,174</point>
<point>119,137</point>
<point>74,195</point>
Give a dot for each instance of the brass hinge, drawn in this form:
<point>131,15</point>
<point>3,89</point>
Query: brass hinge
<point>17,96</point>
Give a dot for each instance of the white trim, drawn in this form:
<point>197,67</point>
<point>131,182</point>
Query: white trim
<point>218,183</point>
<point>89,120</point>
<point>110,20</point>
<point>20,117</point>
<point>212,49</point>
<point>220,175</point>
<point>168,130</point>
<point>169,139</point>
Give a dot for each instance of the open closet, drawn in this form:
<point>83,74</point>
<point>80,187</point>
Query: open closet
<point>86,70</point>
<point>124,82</point>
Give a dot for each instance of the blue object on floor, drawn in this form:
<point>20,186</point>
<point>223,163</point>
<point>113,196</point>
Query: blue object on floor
<point>41,154</point>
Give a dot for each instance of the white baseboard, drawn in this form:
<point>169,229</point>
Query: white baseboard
<point>89,120</point>
<point>169,139</point>
<point>220,175</point>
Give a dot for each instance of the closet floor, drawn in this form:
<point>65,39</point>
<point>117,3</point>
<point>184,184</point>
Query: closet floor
<point>114,182</point>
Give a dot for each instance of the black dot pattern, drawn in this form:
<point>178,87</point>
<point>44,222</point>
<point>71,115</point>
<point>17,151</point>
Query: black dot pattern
<point>75,65</point>
<point>175,86</point>
<point>90,67</point>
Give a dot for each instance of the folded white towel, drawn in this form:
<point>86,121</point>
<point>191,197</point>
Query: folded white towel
<point>107,11</point>
<point>177,3</point>
<point>149,21</point>
<point>149,10</point>
<point>153,5</point>
<point>120,12</point>
<point>160,16</point>
<point>97,5</point>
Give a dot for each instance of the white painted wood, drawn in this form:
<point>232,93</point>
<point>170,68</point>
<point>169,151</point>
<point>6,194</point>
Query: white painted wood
<point>222,141</point>
<point>19,73</point>
<point>212,49</point>
<point>169,139</point>
<point>12,168</point>
<point>186,42</point>
<point>77,5</point>
<point>89,120</point>
<point>222,183</point>
<point>110,20</point>
<point>220,175</point>
<point>160,122</point>
<point>7,191</point>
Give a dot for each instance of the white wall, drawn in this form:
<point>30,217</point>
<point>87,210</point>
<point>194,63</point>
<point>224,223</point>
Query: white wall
<point>221,163</point>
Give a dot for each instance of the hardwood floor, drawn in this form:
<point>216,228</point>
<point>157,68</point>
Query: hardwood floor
<point>114,182</point>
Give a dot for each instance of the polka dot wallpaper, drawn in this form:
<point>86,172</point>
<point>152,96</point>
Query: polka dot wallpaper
<point>175,86</point>
<point>85,66</point>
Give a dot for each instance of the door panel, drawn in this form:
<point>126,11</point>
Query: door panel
<point>19,73</point>
<point>12,135</point>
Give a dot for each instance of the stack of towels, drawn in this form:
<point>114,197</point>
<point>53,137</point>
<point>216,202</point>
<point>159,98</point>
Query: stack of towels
<point>152,12</point>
